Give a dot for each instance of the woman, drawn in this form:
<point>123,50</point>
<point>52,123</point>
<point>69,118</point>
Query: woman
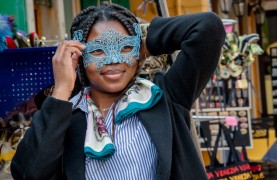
<point>119,126</point>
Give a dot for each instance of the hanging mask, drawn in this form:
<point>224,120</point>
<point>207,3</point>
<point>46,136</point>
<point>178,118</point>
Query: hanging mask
<point>114,47</point>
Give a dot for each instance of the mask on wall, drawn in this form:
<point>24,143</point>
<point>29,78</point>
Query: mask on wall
<point>238,53</point>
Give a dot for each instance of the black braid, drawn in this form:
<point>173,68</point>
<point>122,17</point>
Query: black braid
<point>88,27</point>
<point>126,22</point>
<point>84,21</point>
<point>83,82</point>
<point>81,16</point>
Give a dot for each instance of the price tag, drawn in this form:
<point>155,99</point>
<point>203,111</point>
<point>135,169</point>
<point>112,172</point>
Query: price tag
<point>229,28</point>
<point>231,121</point>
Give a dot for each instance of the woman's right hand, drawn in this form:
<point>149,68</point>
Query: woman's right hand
<point>64,64</point>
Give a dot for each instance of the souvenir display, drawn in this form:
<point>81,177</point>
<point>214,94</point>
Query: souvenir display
<point>210,127</point>
<point>20,79</point>
<point>13,128</point>
<point>152,64</point>
<point>238,53</point>
<point>272,51</point>
<point>6,31</point>
<point>235,167</point>
<point>273,56</point>
<point>228,93</point>
<point>229,87</point>
<point>11,38</point>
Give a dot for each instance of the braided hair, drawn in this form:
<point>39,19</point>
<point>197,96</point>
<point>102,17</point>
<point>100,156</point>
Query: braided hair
<point>85,21</point>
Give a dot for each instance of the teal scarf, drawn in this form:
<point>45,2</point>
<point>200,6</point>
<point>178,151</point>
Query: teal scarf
<point>98,144</point>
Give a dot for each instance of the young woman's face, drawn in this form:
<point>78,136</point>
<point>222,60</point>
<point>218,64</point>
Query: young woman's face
<point>112,78</point>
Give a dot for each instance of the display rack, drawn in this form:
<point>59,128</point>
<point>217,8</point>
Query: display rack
<point>215,102</point>
<point>24,72</point>
<point>210,128</point>
<point>273,56</point>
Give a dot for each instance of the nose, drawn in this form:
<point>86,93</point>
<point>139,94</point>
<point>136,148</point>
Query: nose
<point>113,59</point>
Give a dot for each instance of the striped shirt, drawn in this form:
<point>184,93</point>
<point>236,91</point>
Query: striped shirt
<point>135,156</point>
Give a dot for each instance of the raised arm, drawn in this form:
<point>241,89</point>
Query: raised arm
<point>200,38</point>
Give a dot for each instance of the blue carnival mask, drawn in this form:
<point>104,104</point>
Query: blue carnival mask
<point>112,43</point>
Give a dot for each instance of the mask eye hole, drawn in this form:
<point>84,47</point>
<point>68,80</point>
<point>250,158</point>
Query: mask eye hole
<point>98,53</point>
<point>126,49</point>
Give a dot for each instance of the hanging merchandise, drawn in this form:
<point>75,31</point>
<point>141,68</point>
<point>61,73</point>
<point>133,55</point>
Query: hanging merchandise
<point>31,39</point>
<point>6,32</point>
<point>12,131</point>
<point>272,52</point>
<point>229,85</point>
<point>152,64</point>
<point>25,70</point>
<point>11,38</point>
<point>228,92</point>
<point>234,168</point>
<point>273,56</point>
<point>255,166</point>
<point>238,53</point>
<point>238,166</point>
<point>210,129</point>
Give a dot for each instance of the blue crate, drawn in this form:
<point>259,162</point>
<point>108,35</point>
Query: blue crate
<point>23,73</point>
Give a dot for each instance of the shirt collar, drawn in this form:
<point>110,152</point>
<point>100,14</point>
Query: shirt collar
<point>82,105</point>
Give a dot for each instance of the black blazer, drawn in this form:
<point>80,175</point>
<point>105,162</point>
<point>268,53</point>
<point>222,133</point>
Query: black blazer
<point>57,134</point>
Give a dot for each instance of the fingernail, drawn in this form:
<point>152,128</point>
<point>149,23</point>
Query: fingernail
<point>74,56</point>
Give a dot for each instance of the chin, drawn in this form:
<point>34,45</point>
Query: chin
<point>109,87</point>
<point>115,88</point>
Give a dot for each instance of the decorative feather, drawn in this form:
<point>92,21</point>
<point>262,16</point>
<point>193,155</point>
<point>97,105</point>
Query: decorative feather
<point>5,30</point>
<point>5,26</point>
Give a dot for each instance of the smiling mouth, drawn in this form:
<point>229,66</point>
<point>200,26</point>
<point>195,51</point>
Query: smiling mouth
<point>112,74</point>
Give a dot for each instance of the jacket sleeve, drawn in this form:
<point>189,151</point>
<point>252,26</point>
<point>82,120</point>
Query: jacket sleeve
<point>39,153</point>
<point>200,38</point>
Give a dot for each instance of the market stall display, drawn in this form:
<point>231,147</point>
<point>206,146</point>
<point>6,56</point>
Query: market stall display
<point>228,93</point>
<point>26,69</point>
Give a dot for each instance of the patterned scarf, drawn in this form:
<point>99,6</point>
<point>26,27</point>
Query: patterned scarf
<point>98,144</point>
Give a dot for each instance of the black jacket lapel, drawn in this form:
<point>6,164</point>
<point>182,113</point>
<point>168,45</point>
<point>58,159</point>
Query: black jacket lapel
<point>161,135</point>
